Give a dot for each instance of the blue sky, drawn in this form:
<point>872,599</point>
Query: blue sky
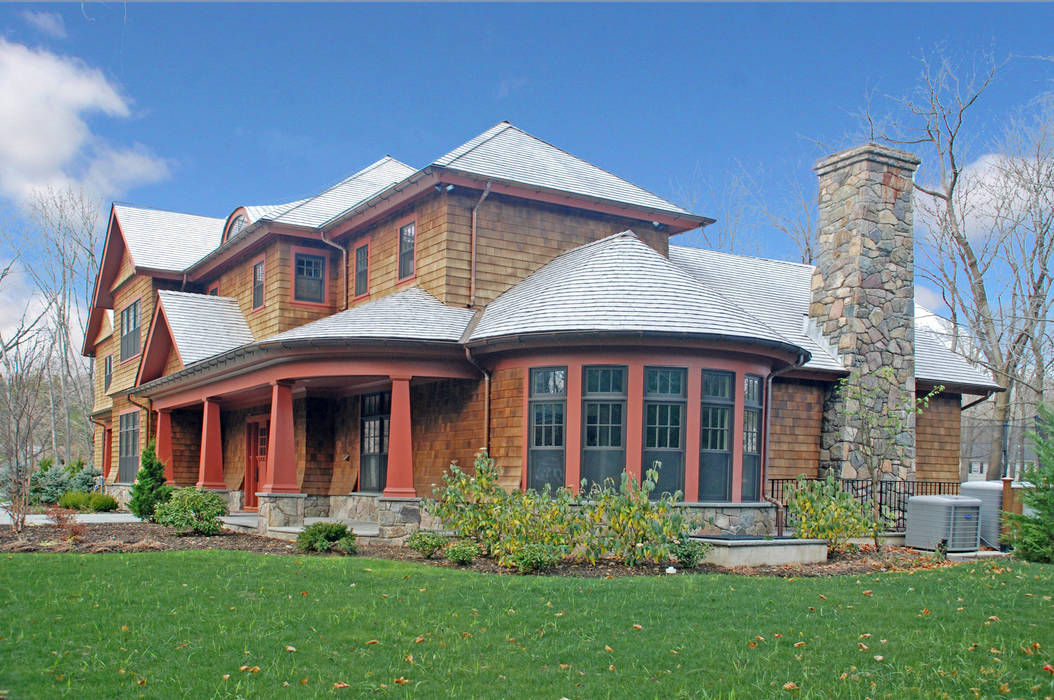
<point>203,107</point>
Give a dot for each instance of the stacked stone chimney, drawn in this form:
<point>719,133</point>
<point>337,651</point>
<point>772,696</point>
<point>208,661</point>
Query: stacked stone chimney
<point>863,290</point>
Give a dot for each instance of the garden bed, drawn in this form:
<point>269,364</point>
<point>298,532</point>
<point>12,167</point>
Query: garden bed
<point>142,537</point>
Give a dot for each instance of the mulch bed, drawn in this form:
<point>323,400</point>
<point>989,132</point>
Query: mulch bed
<point>146,537</point>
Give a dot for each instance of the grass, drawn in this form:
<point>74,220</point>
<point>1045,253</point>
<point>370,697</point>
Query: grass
<point>174,624</point>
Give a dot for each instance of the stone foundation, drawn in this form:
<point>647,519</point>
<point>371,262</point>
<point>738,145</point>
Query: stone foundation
<point>281,510</point>
<point>121,492</point>
<point>757,519</point>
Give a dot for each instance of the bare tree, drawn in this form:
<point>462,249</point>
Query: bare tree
<point>727,199</point>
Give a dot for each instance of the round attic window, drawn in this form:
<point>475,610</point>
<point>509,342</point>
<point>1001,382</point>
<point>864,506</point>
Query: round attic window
<point>237,226</point>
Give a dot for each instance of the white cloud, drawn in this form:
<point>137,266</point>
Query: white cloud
<point>929,298</point>
<point>49,23</point>
<point>46,141</point>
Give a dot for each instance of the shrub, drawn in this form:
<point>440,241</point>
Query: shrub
<point>1032,536</point>
<point>101,503</point>
<point>325,537</point>
<point>426,543</point>
<point>689,552</point>
<point>85,479</point>
<point>47,486</point>
<point>150,490</point>
<point>75,500</point>
<point>824,511</point>
<point>65,520</point>
<point>190,510</point>
<point>534,557</point>
<point>75,466</point>
<point>461,553</point>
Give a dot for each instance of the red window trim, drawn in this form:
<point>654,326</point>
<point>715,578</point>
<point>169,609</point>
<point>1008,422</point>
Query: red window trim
<point>318,253</point>
<point>252,281</point>
<point>354,271</point>
<point>117,322</point>
<point>412,219</point>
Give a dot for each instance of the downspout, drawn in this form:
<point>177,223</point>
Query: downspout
<point>183,287</point>
<point>768,422</point>
<point>472,269</point>
<point>486,397</point>
<point>344,256</point>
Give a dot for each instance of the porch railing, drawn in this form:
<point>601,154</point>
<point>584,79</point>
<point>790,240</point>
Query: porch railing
<point>892,495</point>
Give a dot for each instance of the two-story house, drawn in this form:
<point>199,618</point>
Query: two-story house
<point>332,356</point>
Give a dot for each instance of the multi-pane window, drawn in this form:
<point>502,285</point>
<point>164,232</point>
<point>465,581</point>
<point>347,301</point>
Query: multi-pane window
<point>753,397</point>
<point>130,330</point>
<point>362,270</point>
<point>407,236</point>
<point>258,284</point>
<point>664,419</point>
<point>715,445</point>
<point>107,372</point>
<point>128,447</point>
<point>375,411</point>
<point>604,424</point>
<point>547,412</point>
<point>309,278</point>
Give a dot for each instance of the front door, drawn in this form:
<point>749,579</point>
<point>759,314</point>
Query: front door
<point>373,440</point>
<point>256,461</point>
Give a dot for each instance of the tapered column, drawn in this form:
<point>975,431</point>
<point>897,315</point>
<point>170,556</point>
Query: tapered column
<point>163,444</point>
<point>210,466</point>
<point>400,482</point>
<point>280,474</point>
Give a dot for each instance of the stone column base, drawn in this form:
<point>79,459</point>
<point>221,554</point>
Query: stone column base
<point>398,518</point>
<point>280,510</point>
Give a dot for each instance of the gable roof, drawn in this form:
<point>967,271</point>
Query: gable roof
<point>412,314</point>
<point>505,152</point>
<point>371,180</point>
<point>166,240</point>
<point>203,325</point>
<point>619,285</point>
<point>780,292</point>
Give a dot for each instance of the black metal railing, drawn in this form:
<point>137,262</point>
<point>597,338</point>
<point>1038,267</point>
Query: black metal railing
<point>892,495</point>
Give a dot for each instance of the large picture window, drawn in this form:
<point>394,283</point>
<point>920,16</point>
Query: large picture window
<point>715,445</point>
<point>664,414</point>
<point>362,270</point>
<point>753,401</point>
<point>604,424</point>
<point>407,242</point>
<point>130,330</point>
<point>310,278</point>
<point>128,448</point>
<point>547,401</point>
<point>375,410</point>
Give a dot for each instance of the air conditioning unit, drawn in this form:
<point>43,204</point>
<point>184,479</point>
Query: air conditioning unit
<point>990,493</point>
<point>956,520</point>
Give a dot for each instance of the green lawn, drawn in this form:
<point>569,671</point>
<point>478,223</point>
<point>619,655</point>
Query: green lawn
<point>175,624</point>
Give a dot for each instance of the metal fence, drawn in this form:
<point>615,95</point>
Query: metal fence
<point>892,495</point>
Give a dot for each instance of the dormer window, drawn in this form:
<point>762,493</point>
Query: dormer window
<point>407,236</point>
<point>237,226</point>
<point>258,284</point>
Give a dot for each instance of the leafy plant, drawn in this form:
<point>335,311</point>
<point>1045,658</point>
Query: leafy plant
<point>1032,536</point>
<point>47,486</point>
<point>533,557</point>
<point>75,500</point>
<point>426,543</point>
<point>190,510</point>
<point>689,552</point>
<point>824,511</point>
<point>149,490</point>
<point>461,553</point>
<point>65,520</point>
<point>101,503</point>
<point>326,537</point>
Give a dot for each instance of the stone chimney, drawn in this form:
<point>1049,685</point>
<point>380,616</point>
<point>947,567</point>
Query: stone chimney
<point>863,290</point>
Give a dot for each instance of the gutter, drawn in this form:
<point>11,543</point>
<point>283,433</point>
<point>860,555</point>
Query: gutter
<point>344,257</point>
<point>146,407</point>
<point>802,359</point>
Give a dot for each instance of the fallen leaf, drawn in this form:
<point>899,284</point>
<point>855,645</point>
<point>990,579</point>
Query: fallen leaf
<point>254,669</point>
<point>565,666</point>
<point>878,657</point>
<point>823,597</point>
<point>637,627</point>
<point>401,681</point>
<point>925,611</point>
<point>289,648</point>
<point>611,667</point>
<point>865,635</point>
<point>863,647</point>
<point>869,593</point>
<point>373,641</point>
<point>608,649</point>
<point>799,644</point>
<point>243,668</point>
<point>752,645</point>
<point>993,618</point>
<point>226,676</point>
<point>420,638</point>
<point>1049,669</point>
<point>303,593</point>
<point>790,685</point>
<point>341,684</point>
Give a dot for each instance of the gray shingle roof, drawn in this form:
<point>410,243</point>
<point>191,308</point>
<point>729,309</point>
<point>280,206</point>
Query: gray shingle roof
<point>504,152</point>
<point>203,325</point>
<point>348,193</point>
<point>780,292</point>
<point>617,284</point>
<point>412,314</point>
<point>167,240</point>
<point>269,211</point>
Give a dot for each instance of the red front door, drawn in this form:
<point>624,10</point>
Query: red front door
<point>256,461</point>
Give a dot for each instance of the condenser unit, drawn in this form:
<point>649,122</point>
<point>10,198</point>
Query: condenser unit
<point>955,520</point>
<point>990,493</point>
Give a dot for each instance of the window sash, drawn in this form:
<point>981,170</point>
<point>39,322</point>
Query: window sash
<point>130,330</point>
<point>310,275</point>
<point>258,285</point>
<point>715,428</point>
<point>407,243</point>
<point>362,270</point>
<point>107,376</point>
<point>128,447</point>
<point>604,381</point>
<point>548,381</point>
<point>752,431</point>
<point>664,426</point>
<point>717,386</point>
<point>753,393</point>
<point>605,423</point>
<point>664,382</point>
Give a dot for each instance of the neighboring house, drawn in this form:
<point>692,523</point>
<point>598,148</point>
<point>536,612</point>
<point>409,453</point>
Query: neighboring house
<point>332,356</point>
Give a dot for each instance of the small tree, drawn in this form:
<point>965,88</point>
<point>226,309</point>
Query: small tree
<point>1032,536</point>
<point>150,489</point>
<point>883,416</point>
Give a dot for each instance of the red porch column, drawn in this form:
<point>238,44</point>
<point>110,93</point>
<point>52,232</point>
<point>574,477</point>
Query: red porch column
<point>163,444</point>
<point>635,422</point>
<point>210,467</point>
<point>107,452</point>
<point>280,473</point>
<point>400,481</point>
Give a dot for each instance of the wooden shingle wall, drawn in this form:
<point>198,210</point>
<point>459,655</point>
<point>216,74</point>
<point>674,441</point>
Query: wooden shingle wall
<point>319,434</point>
<point>447,419</point>
<point>186,445</point>
<point>506,423</point>
<point>937,435</point>
<point>794,431</point>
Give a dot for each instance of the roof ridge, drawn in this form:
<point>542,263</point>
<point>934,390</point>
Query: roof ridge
<point>376,164</point>
<point>474,143</point>
<point>740,255</point>
<point>141,207</point>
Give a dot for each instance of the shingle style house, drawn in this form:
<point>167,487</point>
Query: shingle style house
<point>332,356</point>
